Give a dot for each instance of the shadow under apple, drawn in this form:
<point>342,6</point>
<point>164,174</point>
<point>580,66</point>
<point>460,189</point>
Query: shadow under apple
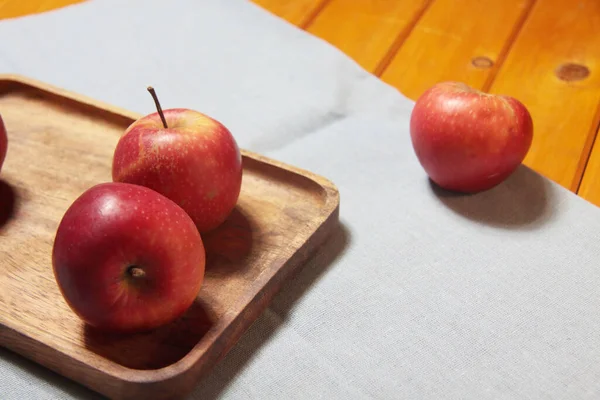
<point>217,380</point>
<point>522,201</point>
<point>154,349</point>
<point>8,202</point>
<point>229,245</point>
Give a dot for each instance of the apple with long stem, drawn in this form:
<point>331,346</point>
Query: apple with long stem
<point>186,156</point>
<point>467,140</point>
<point>127,259</point>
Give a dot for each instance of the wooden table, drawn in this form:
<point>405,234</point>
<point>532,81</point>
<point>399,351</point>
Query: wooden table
<point>543,52</point>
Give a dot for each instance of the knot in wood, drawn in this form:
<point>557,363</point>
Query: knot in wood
<point>482,62</point>
<point>570,72</point>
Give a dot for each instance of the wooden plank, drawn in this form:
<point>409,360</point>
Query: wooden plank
<point>18,8</point>
<point>590,184</point>
<point>366,30</point>
<point>297,12</point>
<point>552,70</point>
<point>460,40</point>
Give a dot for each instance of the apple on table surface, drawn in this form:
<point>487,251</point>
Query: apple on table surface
<point>467,140</point>
<point>3,142</point>
<point>127,259</point>
<point>186,156</point>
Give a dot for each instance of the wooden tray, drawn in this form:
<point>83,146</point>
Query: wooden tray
<point>60,144</point>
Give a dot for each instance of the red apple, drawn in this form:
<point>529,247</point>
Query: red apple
<point>467,140</point>
<point>188,157</point>
<point>127,258</point>
<point>3,142</point>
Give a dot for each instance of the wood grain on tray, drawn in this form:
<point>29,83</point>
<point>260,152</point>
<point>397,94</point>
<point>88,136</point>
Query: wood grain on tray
<point>60,145</point>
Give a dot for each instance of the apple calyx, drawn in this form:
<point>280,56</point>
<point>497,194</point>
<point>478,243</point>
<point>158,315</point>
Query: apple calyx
<point>136,272</point>
<point>158,107</point>
<point>135,276</point>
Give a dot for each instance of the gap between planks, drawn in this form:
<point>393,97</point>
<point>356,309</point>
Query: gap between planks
<point>508,46</point>
<point>400,39</point>
<point>313,14</point>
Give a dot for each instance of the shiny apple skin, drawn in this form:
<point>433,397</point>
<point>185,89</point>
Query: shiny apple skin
<point>3,142</point>
<point>466,140</point>
<point>112,227</point>
<point>195,162</point>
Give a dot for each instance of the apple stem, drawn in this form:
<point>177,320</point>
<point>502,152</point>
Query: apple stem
<point>158,108</point>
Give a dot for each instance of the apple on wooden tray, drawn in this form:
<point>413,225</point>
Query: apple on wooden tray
<point>128,255</point>
<point>127,259</point>
<point>467,140</point>
<point>186,156</point>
